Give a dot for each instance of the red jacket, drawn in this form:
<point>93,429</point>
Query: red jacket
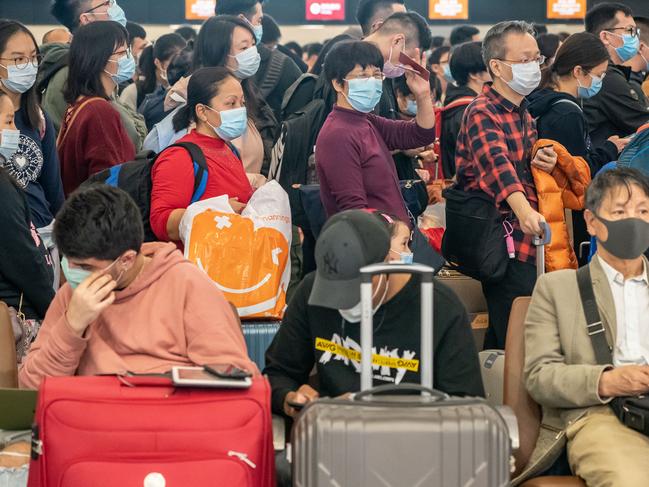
<point>173,179</point>
<point>92,138</point>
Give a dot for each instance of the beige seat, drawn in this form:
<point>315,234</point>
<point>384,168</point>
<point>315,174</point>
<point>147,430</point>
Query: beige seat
<point>8,367</point>
<point>528,412</point>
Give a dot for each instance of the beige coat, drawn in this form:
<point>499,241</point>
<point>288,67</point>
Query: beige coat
<point>561,372</point>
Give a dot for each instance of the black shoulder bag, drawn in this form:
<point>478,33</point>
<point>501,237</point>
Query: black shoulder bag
<point>633,412</point>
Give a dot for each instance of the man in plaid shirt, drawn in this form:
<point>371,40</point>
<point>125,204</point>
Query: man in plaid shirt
<point>493,156</point>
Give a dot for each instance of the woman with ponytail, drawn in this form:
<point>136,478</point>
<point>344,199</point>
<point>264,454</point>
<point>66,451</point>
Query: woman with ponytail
<point>576,74</point>
<point>216,107</point>
<point>153,65</point>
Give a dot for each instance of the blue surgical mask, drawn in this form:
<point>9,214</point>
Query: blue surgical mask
<point>404,257</point>
<point>630,47</point>
<point>125,69</point>
<point>411,109</point>
<point>74,275</point>
<point>448,76</point>
<point>21,78</point>
<point>364,93</point>
<point>116,14</point>
<point>9,144</point>
<point>248,62</point>
<point>592,90</point>
<point>259,32</point>
<point>234,123</point>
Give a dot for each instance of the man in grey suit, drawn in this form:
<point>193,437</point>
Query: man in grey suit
<point>562,372</point>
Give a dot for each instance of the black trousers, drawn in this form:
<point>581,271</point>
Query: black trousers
<point>519,280</point>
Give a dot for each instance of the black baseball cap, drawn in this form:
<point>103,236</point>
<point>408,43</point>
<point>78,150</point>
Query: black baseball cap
<point>349,241</point>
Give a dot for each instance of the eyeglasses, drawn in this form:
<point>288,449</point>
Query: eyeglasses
<point>541,59</point>
<point>378,76</point>
<point>631,30</point>
<point>107,3</point>
<point>22,62</point>
<point>121,54</point>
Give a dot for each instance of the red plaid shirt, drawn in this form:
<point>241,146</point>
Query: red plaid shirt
<point>493,156</point>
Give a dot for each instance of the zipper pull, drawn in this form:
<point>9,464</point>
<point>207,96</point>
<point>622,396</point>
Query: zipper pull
<point>243,457</point>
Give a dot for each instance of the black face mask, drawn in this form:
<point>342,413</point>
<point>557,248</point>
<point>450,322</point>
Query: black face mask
<point>628,238</point>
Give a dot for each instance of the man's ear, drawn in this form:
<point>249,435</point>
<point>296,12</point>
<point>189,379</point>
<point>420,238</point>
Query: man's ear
<point>338,86</point>
<point>589,218</point>
<point>604,38</point>
<point>496,68</point>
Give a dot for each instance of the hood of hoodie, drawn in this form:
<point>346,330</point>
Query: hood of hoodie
<point>163,257</point>
<point>55,57</point>
<point>455,92</point>
<point>542,101</point>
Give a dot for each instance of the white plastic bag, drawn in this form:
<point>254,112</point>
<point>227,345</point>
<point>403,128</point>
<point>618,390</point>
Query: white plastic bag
<point>247,255</point>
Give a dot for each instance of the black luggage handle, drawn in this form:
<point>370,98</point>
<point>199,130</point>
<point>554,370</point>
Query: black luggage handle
<point>405,387</point>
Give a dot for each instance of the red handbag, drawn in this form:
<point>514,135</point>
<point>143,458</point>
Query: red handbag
<point>135,431</point>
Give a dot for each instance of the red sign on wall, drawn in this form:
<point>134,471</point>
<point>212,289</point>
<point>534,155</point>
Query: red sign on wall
<point>324,10</point>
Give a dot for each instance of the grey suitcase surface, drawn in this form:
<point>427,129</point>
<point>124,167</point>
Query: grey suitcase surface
<point>379,438</point>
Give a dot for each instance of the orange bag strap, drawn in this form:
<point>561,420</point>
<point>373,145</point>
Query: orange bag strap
<point>70,117</point>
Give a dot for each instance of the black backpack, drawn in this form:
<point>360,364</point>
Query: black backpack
<point>135,178</point>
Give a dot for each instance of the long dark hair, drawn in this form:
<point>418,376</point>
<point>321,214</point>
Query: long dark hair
<point>583,49</point>
<point>212,48</point>
<point>203,86</point>
<point>166,47</point>
<point>92,46</point>
<point>31,98</point>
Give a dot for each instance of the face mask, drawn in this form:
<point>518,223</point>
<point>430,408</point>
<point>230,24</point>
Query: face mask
<point>116,14</point>
<point>447,73</point>
<point>76,275</point>
<point>9,143</point>
<point>125,69</point>
<point>630,47</point>
<point>411,109</point>
<point>354,315</point>
<point>364,93</point>
<point>526,77</point>
<point>391,70</point>
<point>247,63</point>
<point>234,123</point>
<point>628,238</point>
<point>404,257</point>
<point>20,79</point>
<point>592,90</point>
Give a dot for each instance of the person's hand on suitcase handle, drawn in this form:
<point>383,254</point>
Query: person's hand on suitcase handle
<point>530,219</point>
<point>304,395</point>
<point>89,300</point>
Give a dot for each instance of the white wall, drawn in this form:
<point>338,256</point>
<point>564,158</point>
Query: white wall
<point>303,34</point>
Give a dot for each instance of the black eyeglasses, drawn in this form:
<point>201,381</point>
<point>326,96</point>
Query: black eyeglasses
<point>631,30</point>
<point>22,62</point>
<point>107,3</point>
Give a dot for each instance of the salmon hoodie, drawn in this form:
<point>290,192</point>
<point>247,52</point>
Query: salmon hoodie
<point>171,315</point>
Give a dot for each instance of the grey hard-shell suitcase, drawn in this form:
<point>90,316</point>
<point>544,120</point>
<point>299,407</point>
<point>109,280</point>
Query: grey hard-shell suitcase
<point>379,438</point>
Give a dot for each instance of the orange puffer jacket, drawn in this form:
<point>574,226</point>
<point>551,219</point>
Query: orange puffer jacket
<point>564,189</point>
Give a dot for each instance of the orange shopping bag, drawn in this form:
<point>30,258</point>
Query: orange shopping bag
<point>247,255</point>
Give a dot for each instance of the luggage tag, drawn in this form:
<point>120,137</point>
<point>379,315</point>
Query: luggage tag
<point>509,239</point>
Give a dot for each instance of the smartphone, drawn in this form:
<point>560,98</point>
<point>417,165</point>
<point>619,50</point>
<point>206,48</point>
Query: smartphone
<point>414,66</point>
<point>199,377</point>
<point>298,406</point>
<point>225,371</point>
<point>546,147</point>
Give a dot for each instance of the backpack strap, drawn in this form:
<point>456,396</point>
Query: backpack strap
<point>200,168</point>
<point>460,102</point>
<point>594,325</point>
<point>564,100</point>
<point>273,73</point>
<point>70,117</point>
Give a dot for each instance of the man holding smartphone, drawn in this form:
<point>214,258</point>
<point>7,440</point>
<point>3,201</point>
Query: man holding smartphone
<point>493,156</point>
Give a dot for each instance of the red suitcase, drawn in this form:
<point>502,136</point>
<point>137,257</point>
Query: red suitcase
<point>113,431</point>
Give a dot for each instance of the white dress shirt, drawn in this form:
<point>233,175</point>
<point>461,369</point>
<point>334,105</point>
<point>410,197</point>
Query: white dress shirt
<point>631,299</point>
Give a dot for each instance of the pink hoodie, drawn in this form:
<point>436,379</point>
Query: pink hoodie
<point>172,314</point>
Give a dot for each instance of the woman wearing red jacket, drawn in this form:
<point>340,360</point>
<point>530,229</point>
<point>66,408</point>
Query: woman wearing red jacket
<point>92,136</point>
<point>215,103</point>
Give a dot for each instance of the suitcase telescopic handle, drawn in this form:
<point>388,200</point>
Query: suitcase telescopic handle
<point>367,329</point>
<point>406,387</point>
<point>541,242</point>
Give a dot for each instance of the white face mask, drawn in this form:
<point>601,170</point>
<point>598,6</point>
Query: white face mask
<point>353,315</point>
<point>526,77</point>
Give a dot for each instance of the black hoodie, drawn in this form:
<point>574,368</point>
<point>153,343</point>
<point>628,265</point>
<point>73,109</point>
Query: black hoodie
<point>451,122</point>
<point>559,117</point>
<point>315,336</point>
